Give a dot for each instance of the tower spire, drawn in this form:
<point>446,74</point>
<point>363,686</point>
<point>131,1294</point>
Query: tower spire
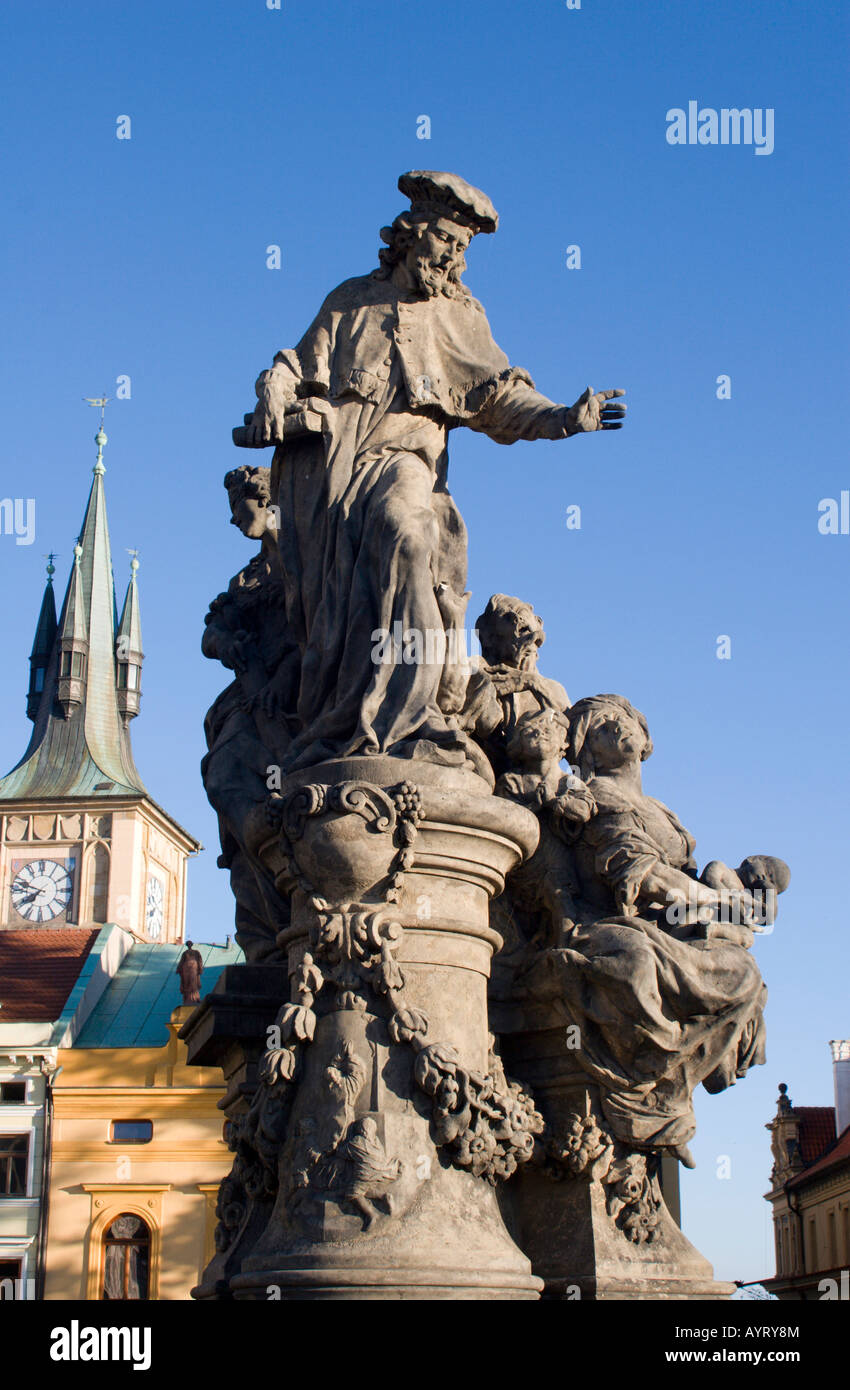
<point>80,743</point>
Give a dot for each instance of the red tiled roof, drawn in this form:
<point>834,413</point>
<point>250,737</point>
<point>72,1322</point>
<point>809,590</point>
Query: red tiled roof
<point>817,1130</point>
<point>839,1152</point>
<point>38,969</point>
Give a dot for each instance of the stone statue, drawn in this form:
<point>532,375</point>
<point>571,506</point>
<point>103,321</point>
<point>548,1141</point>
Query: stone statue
<point>507,684</point>
<point>657,974</point>
<point>626,980</point>
<point>371,541</point>
<point>548,881</point>
<point>248,728</point>
<point>190,968</point>
<point>402,834</point>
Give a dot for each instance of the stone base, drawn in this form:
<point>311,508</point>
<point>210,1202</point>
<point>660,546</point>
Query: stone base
<point>605,1232</point>
<point>580,1253</point>
<point>432,1227</point>
<point>342,1188</point>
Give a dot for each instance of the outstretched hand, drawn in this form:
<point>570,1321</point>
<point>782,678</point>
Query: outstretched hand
<point>594,411</point>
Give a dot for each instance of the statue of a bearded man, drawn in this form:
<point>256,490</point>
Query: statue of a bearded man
<point>372,545</point>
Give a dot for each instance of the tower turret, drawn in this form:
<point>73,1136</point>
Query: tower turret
<point>128,649</point>
<point>73,644</point>
<point>45,636</point>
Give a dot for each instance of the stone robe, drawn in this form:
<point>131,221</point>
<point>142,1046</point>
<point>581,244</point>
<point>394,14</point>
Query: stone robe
<point>657,1014</point>
<point>368,529</point>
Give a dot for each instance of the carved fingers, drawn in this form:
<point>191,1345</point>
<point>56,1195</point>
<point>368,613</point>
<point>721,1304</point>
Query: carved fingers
<point>610,416</point>
<point>596,410</point>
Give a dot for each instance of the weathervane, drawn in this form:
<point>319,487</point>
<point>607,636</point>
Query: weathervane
<point>100,438</point>
<point>101,401</point>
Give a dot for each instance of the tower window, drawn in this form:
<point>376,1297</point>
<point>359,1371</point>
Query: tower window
<point>38,682</point>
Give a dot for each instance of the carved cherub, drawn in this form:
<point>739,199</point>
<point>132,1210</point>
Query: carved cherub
<point>547,882</point>
<point>754,885</point>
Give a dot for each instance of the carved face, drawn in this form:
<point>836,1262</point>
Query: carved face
<point>436,257</point>
<point>516,635</point>
<point>616,739</point>
<point>537,740</point>
<point>252,517</point>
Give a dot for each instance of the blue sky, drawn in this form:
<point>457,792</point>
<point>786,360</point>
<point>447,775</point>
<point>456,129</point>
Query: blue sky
<point>253,127</point>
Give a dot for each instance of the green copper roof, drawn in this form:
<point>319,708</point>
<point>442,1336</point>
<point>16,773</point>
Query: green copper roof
<point>45,631</point>
<point>89,752</point>
<point>130,626</point>
<point>137,1003</point>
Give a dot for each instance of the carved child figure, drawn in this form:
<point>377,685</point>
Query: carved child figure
<point>754,885</point>
<point>547,883</point>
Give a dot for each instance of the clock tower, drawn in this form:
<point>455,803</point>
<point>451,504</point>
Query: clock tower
<point>82,842</point>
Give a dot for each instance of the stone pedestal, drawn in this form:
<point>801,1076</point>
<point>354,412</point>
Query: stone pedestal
<point>590,1215</point>
<point>229,1029</point>
<point>369,1148</point>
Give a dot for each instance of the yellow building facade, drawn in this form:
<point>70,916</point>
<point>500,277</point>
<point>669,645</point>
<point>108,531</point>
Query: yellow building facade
<point>103,1169</point>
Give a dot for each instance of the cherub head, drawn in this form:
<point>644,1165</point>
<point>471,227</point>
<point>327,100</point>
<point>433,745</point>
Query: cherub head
<point>250,498</point>
<point>539,740</point>
<point>763,872</point>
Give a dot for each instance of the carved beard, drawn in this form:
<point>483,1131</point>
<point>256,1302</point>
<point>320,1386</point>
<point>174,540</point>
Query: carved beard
<point>525,655</point>
<point>432,279</point>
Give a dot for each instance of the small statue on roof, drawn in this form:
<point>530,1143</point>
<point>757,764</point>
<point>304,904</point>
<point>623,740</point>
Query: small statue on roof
<point>190,967</point>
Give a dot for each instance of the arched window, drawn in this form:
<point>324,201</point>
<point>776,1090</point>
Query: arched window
<point>126,1258</point>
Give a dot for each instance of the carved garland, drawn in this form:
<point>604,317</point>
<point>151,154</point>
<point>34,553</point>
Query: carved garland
<point>583,1149</point>
<point>487,1124</point>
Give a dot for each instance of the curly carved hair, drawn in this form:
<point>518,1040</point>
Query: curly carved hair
<point>248,481</point>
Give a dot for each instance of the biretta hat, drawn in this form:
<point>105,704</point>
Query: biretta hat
<point>448,195</point>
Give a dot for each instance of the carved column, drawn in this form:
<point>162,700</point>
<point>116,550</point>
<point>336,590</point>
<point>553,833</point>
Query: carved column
<point>382,1121</point>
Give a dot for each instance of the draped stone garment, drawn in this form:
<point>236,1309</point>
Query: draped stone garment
<point>368,528</point>
<point>657,1014</point>
<point>243,742</point>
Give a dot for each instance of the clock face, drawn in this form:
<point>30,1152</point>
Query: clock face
<point>41,890</point>
<point>154,899</point>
